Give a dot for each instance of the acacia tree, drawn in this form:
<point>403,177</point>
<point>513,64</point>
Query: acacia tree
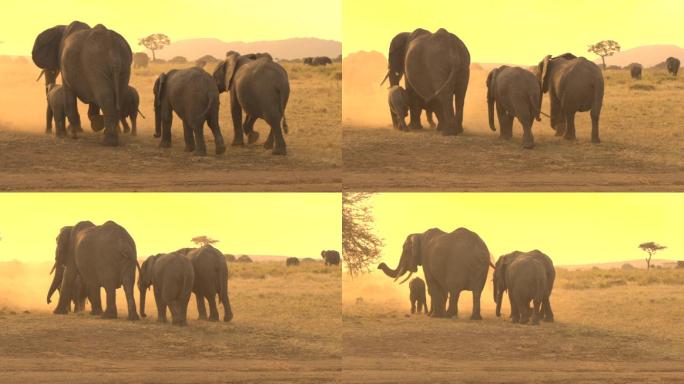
<point>203,240</point>
<point>604,48</point>
<point>360,246</point>
<point>651,248</point>
<point>154,42</point>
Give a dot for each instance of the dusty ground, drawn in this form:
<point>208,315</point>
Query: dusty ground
<point>641,131</point>
<point>34,161</point>
<point>287,328</point>
<point>627,332</point>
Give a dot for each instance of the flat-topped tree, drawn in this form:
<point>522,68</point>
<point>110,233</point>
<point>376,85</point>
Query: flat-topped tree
<point>154,42</point>
<point>651,248</point>
<point>203,240</point>
<point>604,48</point>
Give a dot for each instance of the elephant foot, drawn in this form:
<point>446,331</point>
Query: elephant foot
<point>134,133</point>
<point>157,135</point>
<point>475,316</point>
<point>181,323</point>
<point>202,317</point>
<point>528,145</point>
<point>548,320</point>
<point>110,141</point>
<point>212,318</point>
<point>268,144</point>
<point>515,321</point>
<point>133,316</point>
<point>189,148</point>
<point>200,152</point>
<point>143,315</point>
<point>524,321</point>
<point>227,318</point>
<point>535,322</point>
<point>165,144</point>
<point>238,142</point>
<point>109,315</point>
<point>569,137</point>
<point>95,312</point>
<point>60,311</point>
<point>559,133</point>
<point>449,132</point>
<point>595,140</point>
<point>161,320</point>
<point>252,137</point>
<point>281,151</point>
<point>220,149</point>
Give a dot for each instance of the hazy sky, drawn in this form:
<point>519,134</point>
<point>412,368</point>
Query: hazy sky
<point>572,228</point>
<point>520,31</point>
<point>294,224</point>
<point>228,20</point>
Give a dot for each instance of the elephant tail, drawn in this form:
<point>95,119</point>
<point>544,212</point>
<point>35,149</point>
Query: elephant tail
<point>210,104</point>
<point>448,81</point>
<point>283,95</point>
<point>535,106</point>
<point>141,114</point>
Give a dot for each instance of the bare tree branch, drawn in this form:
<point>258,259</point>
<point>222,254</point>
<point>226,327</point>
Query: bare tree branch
<point>360,246</point>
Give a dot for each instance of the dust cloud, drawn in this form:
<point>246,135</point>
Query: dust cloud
<point>24,287</point>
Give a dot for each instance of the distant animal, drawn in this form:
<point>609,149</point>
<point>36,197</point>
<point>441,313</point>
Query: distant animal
<point>672,65</point>
<point>80,290</point>
<point>140,60</point>
<point>516,94</point>
<point>172,276</point>
<point>192,94</point>
<point>635,71</point>
<point>680,264</point>
<point>244,259</point>
<point>211,279</point>
<point>321,60</point>
<point>130,103</point>
<point>229,257</point>
<point>417,295</point>
<point>178,60</point>
<point>309,260</point>
<point>292,262</point>
<point>308,60</point>
<point>331,257</point>
<point>525,279</point>
<point>574,84</point>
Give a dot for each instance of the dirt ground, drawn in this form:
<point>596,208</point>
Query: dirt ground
<point>287,329</point>
<point>626,333</point>
<point>641,150</point>
<point>34,161</point>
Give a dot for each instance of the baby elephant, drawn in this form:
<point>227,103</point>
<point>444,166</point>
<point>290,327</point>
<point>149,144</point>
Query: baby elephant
<point>172,276</point>
<point>417,295</point>
<point>193,95</point>
<point>399,107</point>
<point>55,108</point>
<point>525,279</point>
<point>129,109</point>
<point>516,93</point>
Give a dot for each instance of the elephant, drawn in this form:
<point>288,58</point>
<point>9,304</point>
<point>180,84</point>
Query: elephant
<point>80,290</point>
<point>140,60</point>
<point>244,259</point>
<point>230,258</point>
<point>292,262</point>
<point>172,276</point>
<point>331,257</point>
<point>308,60</point>
<point>672,65</point>
<point>437,70</point>
<point>321,60</point>
<point>516,93</point>
<point>452,262</point>
<point>574,84</point>
<point>635,71</point>
<point>191,93</point>
<point>417,295</point>
<point>55,108</point>
<point>130,109</point>
<point>550,271</point>
<point>95,64</point>
<point>261,88</point>
<point>398,105</point>
<point>211,278</point>
<point>525,279</point>
<point>103,256</point>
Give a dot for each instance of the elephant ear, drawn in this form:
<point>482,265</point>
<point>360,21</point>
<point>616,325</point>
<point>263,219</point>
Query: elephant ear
<point>159,89</point>
<point>232,59</point>
<point>63,245</point>
<point>491,82</point>
<point>219,76</point>
<point>416,252</point>
<point>45,53</point>
<point>545,73</point>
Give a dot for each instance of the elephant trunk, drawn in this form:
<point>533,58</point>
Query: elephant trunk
<point>56,281</point>
<point>393,273</point>
<point>157,122</point>
<point>490,111</point>
<point>498,296</point>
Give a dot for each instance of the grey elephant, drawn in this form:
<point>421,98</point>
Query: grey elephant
<point>211,279</point>
<point>260,87</point>
<point>417,295</point>
<point>292,262</point>
<point>398,101</point>
<point>244,259</point>
<point>50,83</point>
<point>635,71</point>
<point>549,270</point>
<point>130,109</point>
<point>140,60</point>
<point>55,108</point>
<point>321,60</point>
<point>192,94</point>
<point>452,262</point>
<point>525,279</point>
<point>331,257</point>
<point>437,70</point>
<point>80,293</point>
<point>103,256</point>
<point>672,65</point>
<point>95,64</point>
<point>172,277</point>
<point>308,60</point>
<point>516,94</point>
<point>574,84</point>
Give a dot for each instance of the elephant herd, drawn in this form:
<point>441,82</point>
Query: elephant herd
<point>329,257</point>
<point>95,65</point>
<point>89,257</point>
<point>460,261</point>
<point>317,61</point>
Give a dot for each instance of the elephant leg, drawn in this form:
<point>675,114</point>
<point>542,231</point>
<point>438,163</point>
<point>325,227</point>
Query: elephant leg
<point>415,109</point>
<point>268,144</point>
<point>213,310</point>
<point>413,306</point>
<point>71,111</point>
<point>66,291</point>
<point>111,117</point>
<point>445,115</point>
<point>452,310</point>
<point>96,120</point>
<point>595,125</point>
<point>546,310</point>
<point>200,145</point>
<point>280,147</point>
<point>126,127</point>
<point>524,311</point>
<point>528,138</point>
<point>201,309</point>
<point>161,305</point>
<point>535,311</point>
<point>129,286</point>
<point>175,313</point>
<point>569,126</point>
<point>95,300</point>
<point>515,314</point>
<point>48,120</point>
<point>395,119</point>
<point>252,135</point>
<point>557,118</point>
<point>189,137</point>
<point>110,312</point>
<point>236,114</point>
<point>166,122</point>
<point>475,315</point>
<point>134,124</point>
<point>227,310</point>
<point>213,123</point>
<point>504,121</point>
<point>459,103</point>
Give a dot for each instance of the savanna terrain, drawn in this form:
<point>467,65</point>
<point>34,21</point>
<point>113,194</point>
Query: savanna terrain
<point>612,326</point>
<point>34,161</point>
<point>287,327</point>
<point>642,141</point>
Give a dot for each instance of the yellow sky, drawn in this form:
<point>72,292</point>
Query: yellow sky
<point>228,20</point>
<point>572,228</point>
<point>520,31</point>
<point>294,224</point>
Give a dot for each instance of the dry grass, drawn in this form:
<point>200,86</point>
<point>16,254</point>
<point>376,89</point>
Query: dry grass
<point>626,333</point>
<point>641,131</point>
<point>35,161</point>
<point>287,328</point>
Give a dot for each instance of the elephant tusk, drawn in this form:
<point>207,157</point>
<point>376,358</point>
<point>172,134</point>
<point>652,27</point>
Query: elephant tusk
<point>407,277</point>
<point>41,75</point>
<point>401,273</point>
<point>54,266</point>
<point>385,79</point>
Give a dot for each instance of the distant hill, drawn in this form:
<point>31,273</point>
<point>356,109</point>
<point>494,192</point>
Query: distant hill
<point>283,49</point>
<point>647,55</point>
<point>638,264</point>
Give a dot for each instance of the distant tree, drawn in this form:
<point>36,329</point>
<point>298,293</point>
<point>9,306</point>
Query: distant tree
<point>651,248</point>
<point>154,42</point>
<point>203,240</point>
<point>360,246</point>
<point>604,48</point>
<point>178,60</point>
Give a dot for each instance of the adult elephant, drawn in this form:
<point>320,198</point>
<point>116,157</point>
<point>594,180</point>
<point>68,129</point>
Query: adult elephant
<point>574,84</point>
<point>672,65</point>
<point>140,60</point>
<point>95,64</point>
<point>103,256</point>
<point>261,88</point>
<point>80,292</point>
<point>452,262</point>
<point>499,276</point>
<point>211,279</point>
<point>635,71</point>
<point>437,70</point>
<point>331,257</point>
<point>321,60</point>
